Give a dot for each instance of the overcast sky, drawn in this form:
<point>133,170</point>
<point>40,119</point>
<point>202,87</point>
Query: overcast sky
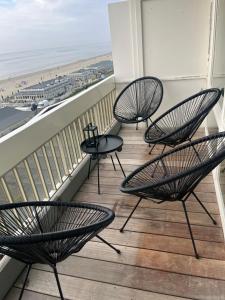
<point>37,24</point>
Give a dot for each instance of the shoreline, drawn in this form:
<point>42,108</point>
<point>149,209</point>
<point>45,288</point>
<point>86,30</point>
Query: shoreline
<point>12,85</point>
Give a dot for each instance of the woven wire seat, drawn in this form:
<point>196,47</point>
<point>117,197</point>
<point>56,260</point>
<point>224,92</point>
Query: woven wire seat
<point>49,232</point>
<point>180,123</point>
<point>138,101</point>
<point>174,175</point>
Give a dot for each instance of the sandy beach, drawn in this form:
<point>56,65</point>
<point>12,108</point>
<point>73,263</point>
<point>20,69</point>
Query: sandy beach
<point>12,85</point>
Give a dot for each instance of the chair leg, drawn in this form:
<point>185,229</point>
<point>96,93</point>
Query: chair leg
<point>113,163</point>
<point>205,209</point>
<point>121,230</point>
<point>136,126</point>
<point>150,152</point>
<point>111,246</point>
<point>117,157</point>
<point>164,147</point>
<point>25,281</point>
<point>189,227</point>
<point>158,161</point>
<point>58,283</point>
<point>89,167</point>
<point>98,175</point>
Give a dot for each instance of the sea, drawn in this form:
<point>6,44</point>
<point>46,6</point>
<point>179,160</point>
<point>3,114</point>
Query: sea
<point>13,64</point>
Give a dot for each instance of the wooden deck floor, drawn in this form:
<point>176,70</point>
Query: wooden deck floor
<point>157,258</point>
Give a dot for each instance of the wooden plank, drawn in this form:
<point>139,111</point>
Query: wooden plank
<point>168,216</point>
<point>127,168</point>
<point>165,215</point>
<point>114,189</point>
<point>136,278</point>
<point>164,243</point>
<point>27,295</point>
<point>202,233</point>
<point>129,200</point>
<point>83,289</point>
<point>110,180</point>
<point>111,174</point>
<point>158,260</point>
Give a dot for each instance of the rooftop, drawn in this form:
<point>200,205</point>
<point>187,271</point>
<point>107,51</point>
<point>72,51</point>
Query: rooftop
<point>9,117</point>
<point>46,84</point>
<point>157,259</point>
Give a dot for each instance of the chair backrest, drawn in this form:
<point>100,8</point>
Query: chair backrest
<point>176,173</point>
<point>181,122</point>
<point>139,100</point>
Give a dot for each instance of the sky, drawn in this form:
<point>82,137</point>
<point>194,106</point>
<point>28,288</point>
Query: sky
<point>40,24</point>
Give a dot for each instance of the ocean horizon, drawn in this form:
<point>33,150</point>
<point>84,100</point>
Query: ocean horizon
<point>13,64</point>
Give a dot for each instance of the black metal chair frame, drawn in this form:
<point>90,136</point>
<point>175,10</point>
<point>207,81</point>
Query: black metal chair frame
<point>138,118</point>
<point>190,126</point>
<point>146,190</point>
<point>37,243</point>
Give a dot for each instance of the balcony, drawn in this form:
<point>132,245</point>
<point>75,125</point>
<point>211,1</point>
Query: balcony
<point>44,162</point>
<point>156,249</point>
<point>157,257</point>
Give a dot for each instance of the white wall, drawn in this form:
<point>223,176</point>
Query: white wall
<point>164,38</point>
<point>218,69</point>
<point>217,79</point>
<point>177,90</point>
<point>121,41</point>
<point>175,37</point>
<point>219,54</point>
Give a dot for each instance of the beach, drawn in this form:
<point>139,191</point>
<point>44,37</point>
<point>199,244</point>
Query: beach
<point>12,85</point>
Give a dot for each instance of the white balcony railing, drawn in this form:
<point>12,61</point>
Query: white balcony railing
<point>38,157</point>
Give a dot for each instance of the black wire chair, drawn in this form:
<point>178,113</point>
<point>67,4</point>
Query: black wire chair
<point>138,101</point>
<point>174,175</point>
<point>180,123</point>
<point>49,232</point>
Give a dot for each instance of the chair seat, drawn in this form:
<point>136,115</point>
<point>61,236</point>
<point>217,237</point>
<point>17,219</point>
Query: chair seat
<point>157,173</point>
<point>180,122</point>
<point>131,117</point>
<point>166,135</point>
<point>173,174</point>
<point>48,232</point>
<point>156,133</point>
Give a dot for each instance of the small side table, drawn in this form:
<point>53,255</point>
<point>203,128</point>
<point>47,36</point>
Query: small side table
<point>107,144</point>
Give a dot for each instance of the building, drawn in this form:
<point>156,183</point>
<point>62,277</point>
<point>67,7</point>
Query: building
<point>46,90</point>
<point>85,76</point>
<point>103,67</point>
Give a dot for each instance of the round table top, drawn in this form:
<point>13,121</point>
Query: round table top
<point>107,143</point>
